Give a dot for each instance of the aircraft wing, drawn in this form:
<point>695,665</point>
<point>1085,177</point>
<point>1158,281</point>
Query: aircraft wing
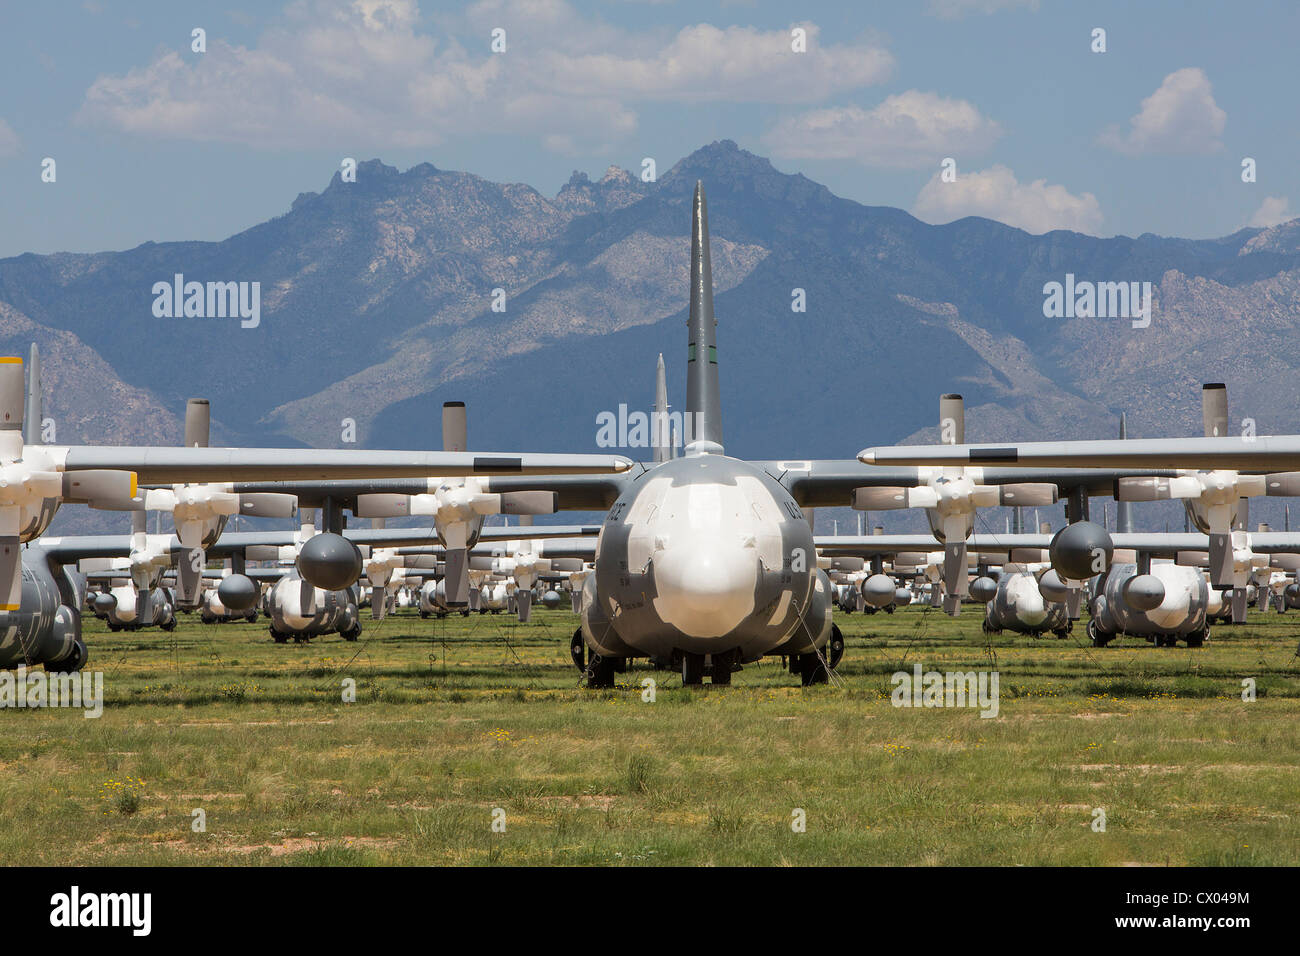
<point>830,483</point>
<point>1254,454</point>
<point>573,492</point>
<point>173,465</point>
<point>1149,542</point>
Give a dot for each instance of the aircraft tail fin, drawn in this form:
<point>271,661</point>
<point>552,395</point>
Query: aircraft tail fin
<point>660,431</point>
<point>1123,509</point>
<point>703,399</point>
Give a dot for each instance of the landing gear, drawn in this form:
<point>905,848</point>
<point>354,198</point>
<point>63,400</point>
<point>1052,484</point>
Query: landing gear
<point>835,647</point>
<point>989,629</point>
<point>811,669</point>
<point>721,668</point>
<point>352,633</point>
<point>692,670</point>
<point>74,662</point>
<point>279,636</point>
<point>578,650</point>
<point>1097,637</point>
<point>600,672</point>
<point>1198,638</point>
<point>423,615</point>
<point>169,626</point>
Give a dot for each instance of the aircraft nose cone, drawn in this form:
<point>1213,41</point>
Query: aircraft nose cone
<point>704,590</point>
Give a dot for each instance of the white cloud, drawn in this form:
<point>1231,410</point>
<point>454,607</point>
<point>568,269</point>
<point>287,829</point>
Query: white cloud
<point>735,64</point>
<point>335,73</point>
<point>1272,211</point>
<point>908,129</point>
<point>995,194</point>
<point>8,140</point>
<point>1179,117</point>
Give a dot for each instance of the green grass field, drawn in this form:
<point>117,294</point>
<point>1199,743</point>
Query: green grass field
<point>456,718</point>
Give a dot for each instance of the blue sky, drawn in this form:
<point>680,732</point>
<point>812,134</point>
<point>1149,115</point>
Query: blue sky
<point>155,142</point>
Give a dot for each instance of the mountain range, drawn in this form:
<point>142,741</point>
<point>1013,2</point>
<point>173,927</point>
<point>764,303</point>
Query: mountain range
<point>377,304</point>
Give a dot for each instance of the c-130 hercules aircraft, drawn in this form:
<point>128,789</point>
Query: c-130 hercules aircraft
<point>40,601</point>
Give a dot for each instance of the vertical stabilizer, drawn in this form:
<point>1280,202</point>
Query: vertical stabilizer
<point>703,400</point>
<point>1123,509</point>
<point>661,434</point>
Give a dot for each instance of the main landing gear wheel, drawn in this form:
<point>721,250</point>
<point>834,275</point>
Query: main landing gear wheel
<point>1198,638</point>
<point>74,662</point>
<point>720,669</point>
<point>600,672</point>
<point>1096,636</point>
<point>835,647</point>
<point>278,637</point>
<point>352,633</point>
<point>578,650</point>
<point>812,670</point>
<point>692,670</point>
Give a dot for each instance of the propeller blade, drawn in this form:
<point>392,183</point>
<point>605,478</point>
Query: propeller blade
<point>383,506</point>
<point>457,580</point>
<point>952,420</point>
<point>268,505</point>
<point>529,502</point>
<point>1284,484</point>
<point>1221,559</point>
<point>306,596</point>
<point>954,568</point>
<point>11,571</point>
<point>883,498</point>
<point>101,488</point>
<point>1142,489</point>
<point>35,399</point>
<point>1239,605</point>
<point>189,576</point>
<point>1028,494</point>
<point>197,423</point>
<point>1214,409</point>
<point>455,430</point>
<point>524,604</point>
<point>475,599</point>
<point>12,396</point>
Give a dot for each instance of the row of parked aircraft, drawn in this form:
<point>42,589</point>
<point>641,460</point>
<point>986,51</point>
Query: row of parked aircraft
<point>703,562</point>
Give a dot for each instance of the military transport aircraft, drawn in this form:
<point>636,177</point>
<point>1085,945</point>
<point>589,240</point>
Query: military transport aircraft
<point>704,560</point>
<point>40,606</point>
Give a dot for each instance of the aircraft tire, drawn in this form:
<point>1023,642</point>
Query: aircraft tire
<point>1197,638</point>
<point>812,670</point>
<point>278,637</point>
<point>692,670</point>
<point>835,647</point>
<point>600,672</point>
<point>73,662</point>
<point>1095,635</point>
<point>352,633</point>
<point>721,670</point>
<point>578,650</point>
